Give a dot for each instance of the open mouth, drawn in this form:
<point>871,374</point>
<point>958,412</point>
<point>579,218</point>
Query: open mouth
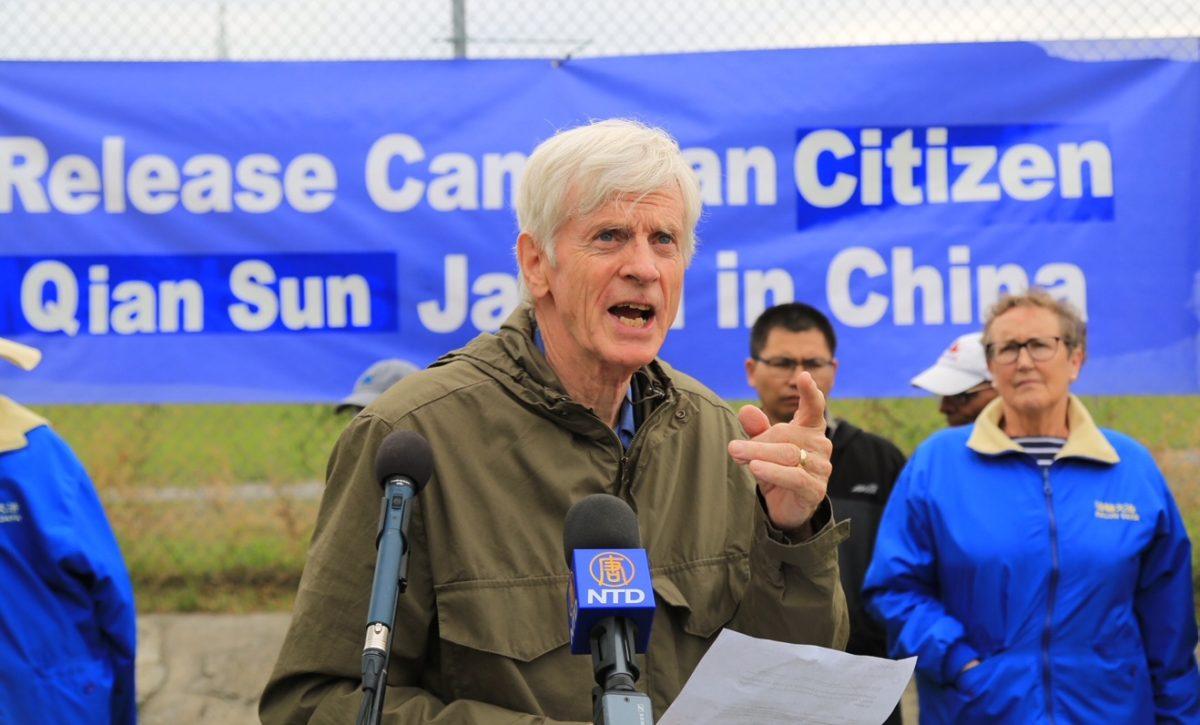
<point>632,314</point>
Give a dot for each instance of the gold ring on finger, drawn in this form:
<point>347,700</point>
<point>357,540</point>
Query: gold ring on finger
<point>803,459</point>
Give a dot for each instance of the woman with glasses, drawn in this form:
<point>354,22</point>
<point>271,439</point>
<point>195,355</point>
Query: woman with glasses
<point>1035,564</point>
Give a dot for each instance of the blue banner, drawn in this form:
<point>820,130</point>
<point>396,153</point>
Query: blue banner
<point>240,232</point>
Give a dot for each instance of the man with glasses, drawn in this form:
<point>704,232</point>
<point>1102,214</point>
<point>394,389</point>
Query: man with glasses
<point>961,377</point>
<point>785,341</point>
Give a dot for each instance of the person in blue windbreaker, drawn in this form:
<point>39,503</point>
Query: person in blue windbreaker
<point>1035,564</point>
<point>67,618</point>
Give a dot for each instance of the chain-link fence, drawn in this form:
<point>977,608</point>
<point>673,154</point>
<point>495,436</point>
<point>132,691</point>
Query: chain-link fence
<point>408,29</point>
<point>214,505</point>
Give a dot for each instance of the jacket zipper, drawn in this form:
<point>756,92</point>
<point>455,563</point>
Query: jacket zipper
<point>622,467</point>
<point>1047,634</point>
<point>623,464</point>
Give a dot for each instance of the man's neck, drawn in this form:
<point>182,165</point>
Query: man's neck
<point>597,387</point>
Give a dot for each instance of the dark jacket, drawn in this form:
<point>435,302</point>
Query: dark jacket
<point>481,633</point>
<point>865,469</point>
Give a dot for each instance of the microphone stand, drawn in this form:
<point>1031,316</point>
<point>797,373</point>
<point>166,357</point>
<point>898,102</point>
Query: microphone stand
<point>614,699</point>
<point>391,580</point>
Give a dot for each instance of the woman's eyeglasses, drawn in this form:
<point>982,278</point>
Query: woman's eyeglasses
<point>1040,349</point>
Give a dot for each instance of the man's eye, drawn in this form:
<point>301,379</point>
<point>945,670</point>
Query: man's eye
<point>1038,344</point>
<point>666,239</point>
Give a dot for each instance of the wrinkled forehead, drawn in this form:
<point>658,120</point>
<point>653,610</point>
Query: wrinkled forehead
<point>1024,322</point>
<point>661,208</point>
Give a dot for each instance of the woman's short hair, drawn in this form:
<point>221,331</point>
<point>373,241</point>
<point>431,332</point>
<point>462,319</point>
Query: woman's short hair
<point>1070,322</point>
<point>579,170</point>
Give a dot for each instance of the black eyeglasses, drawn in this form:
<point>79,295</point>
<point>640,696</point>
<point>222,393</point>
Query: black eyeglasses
<point>967,395</point>
<point>1040,349</point>
<point>788,365</point>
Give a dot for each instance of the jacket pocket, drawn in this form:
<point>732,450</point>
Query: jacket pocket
<point>1003,687</point>
<point>518,619</point>
<point>503,642</point>
<point>1120,642</point>
<point>703,595</point>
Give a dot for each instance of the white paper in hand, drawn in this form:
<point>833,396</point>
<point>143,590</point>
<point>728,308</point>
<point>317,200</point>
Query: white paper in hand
<point>762,682</point>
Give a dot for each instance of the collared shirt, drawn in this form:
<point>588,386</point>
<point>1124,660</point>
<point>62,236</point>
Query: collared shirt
<point>626,424</point>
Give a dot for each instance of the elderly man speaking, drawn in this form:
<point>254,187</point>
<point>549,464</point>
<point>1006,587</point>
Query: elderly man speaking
<point>568,399</point>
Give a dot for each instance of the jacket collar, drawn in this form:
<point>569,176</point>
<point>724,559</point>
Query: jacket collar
<point>15,422</point>
<point>1085,439</point>
<point>518,365</point>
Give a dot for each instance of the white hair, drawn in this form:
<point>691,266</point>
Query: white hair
<point>589,166</point>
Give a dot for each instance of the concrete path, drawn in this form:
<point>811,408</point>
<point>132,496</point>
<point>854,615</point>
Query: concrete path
<point>205,668</point>
<point>211,668</point>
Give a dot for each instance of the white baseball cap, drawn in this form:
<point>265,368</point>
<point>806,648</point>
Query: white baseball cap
<point>961,367</point>
<point>23,356</point>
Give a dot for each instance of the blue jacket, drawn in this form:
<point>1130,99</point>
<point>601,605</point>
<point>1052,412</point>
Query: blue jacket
<point>1072,585</point>
<point>67,619</point>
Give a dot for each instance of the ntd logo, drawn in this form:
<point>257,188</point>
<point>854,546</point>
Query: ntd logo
<point>611,569</point>
<point>613,572</point>
<point>615,596</point>
<point>956,174</point>
<point>606,583</point>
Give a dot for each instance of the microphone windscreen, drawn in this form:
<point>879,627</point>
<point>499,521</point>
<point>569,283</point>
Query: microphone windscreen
<point>600,521</point>
<point>404,453</point>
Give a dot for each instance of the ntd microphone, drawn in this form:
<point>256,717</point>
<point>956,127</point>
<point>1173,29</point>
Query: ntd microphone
<point>611,604</point>
<point>610,574</point>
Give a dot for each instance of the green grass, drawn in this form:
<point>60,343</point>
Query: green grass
<point>197,445</point>
<point>221,552</point>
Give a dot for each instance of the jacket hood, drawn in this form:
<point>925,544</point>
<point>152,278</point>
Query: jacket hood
<point>522,369</point>
<point>15,422</point>
<point>1084,439</point>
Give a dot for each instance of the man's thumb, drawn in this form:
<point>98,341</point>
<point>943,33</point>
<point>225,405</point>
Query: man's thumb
<point>753,420</point>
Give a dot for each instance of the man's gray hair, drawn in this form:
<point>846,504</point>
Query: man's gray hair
<point>577,171</point>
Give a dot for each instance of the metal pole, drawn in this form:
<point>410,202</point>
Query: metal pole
<point>222,40</point>
<point>458,20</point>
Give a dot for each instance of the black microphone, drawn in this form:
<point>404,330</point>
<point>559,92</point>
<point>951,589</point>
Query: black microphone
<point>403,466</point>
<point>611,603</point>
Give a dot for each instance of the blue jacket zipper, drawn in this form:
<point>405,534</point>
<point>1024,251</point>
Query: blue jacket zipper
<point>1047,635</point>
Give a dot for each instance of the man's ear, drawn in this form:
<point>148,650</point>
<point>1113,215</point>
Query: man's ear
<point>534,264</point>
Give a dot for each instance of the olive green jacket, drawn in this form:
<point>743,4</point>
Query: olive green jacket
<point>481,634</point>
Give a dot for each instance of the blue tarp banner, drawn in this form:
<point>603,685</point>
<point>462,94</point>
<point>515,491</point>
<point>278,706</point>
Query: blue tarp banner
<point>241,232</point>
